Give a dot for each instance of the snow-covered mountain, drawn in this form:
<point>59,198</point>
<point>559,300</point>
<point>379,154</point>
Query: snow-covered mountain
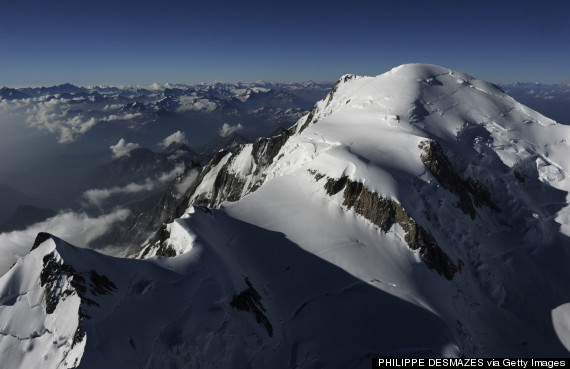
<point>421,212</point>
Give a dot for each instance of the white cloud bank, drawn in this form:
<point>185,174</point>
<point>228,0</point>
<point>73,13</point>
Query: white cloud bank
<point>78,229</point>
<point>96,197</point>
<point>123,148</point>
<point>227,129</point>
<point>55,115</point>
<point>177,136</point>
<point>127,116</point>
<point>59,116</point>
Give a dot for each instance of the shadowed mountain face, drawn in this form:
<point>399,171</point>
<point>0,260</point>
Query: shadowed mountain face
<point>230,142</point>
<point>137,309</point>
<point>11,199</point>
<point>24,216</point>
<point>137,166</point>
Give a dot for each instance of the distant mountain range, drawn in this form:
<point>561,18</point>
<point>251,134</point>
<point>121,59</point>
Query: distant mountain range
<point>552,100</point>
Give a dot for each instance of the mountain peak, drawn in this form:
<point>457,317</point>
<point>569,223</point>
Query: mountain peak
<point>175,147</point>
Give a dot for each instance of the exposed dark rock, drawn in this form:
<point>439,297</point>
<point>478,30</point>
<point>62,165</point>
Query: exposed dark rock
<point>334,186</point>
<point>255,186</point>
<point>309,119</point>
<point>227,187</point>
<point>138,227</point>
<point>385,213</point>
<point>79,332</point>
<point>266,148</point>
<point>54,274</point>
<point>185,202</point>
<point>333,90</point>
<point>41,238</point>
<point>376,209</point>
<point>471,193</point>
<point>318,176</point>
<point>164,249</point>
<point>418,112</point>
<point>53,277</point>
<point>250,300</point>
<point>168,208</point>
<point>418,238</point>
<point>520,176</point>
<point>328,100</point>
<point>100,284</point>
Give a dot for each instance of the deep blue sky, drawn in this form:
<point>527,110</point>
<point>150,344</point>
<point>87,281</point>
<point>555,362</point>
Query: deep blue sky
<point>128,42</point>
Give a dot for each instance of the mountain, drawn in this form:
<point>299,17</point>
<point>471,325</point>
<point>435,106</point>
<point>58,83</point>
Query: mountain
<point>12,94</point>
<point>24,216</point>
<point>135,180</point>
<point>230,142</point>
<point>139,226</point>
<point>11,199</point>
<point>425,182</point>
<point>65,88</point>
<point>421,212</point>
<point>138,165</point>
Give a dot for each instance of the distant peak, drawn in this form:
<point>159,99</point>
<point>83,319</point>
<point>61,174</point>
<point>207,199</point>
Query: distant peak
<point>175,147</point>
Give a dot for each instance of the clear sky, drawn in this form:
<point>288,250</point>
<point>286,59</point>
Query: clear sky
<point>47,42</point>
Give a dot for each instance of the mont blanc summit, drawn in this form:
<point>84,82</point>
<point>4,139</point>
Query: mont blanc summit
<point>421,212</point>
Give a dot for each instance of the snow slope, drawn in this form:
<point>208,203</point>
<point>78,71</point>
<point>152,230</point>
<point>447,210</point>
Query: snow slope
<point>421,212</point>
<point>482,178</point>
<point>223,303</point>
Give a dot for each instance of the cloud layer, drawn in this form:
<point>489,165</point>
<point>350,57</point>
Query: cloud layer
<point>79,229</point>
<point>96,197</point>
<point>227,129</point>
<point>61,116</point>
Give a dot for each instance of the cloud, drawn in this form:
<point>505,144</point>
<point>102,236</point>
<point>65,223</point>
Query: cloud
<point>60,116</point>
<point>123,148</point>
<point>96,197</point>
<point>175,137</point>
<point>191,103</point>
<point>187,181</point>
<point>227,129</point>
<point>78,229</point>
<point>113,106</point>
<point>121,117</point>
<point>55,115</point>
